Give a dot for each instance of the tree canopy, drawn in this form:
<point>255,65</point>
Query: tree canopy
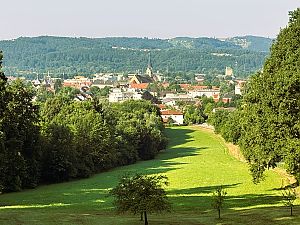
<point>66,57</point>
<point>270,112</point>
<point>141,194</point>
<point>54,138</point>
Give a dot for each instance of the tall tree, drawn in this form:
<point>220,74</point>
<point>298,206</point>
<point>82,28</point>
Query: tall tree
<point>271,109</point>
<point>3,81</point>
<point>21,138</point>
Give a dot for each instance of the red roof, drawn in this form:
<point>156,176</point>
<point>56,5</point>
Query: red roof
<point>226,100</point>
<point>170,112</point>
<point>139,86</point>
<point>162,106</point>
<point>185,86</point>
<point>199,87</point>
<point>165,85</point>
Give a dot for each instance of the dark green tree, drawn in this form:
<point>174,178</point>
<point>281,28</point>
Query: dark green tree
<point>21,138</point>
<point>141,194</point>
<point>270,126</point>
<point>218,199</point>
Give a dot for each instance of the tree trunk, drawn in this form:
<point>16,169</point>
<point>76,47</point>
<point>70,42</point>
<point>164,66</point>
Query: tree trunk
<point>291,211</point>
<point>219,212</point>
<point>141,216</point>
<point>145,216</point>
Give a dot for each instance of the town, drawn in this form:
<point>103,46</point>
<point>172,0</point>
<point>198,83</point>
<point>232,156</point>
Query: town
<point>132,112</point>
<point>169,96</point>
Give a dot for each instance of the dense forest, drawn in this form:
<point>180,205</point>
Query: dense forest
<point>58,139</point>
<point>266,124</point>
<point>62,56</point>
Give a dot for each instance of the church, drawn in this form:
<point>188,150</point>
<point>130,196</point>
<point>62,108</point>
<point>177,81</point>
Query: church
<point>148,77</point>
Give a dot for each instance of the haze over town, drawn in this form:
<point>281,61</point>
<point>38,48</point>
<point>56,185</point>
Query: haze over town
<point>136,18</point>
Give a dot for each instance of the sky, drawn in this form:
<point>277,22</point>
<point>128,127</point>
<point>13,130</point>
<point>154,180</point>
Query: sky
<point>141,18</point>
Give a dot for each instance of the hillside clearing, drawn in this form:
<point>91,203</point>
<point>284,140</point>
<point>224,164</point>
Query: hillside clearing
<point>196,162</point>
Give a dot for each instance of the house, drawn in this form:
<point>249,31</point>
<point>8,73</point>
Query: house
<point>226,99</point>
<point>161,106</point>
<point>199,77</point>
<point>216,97</point>
<point>139,79</point>
<point>239,86</point>
<point>120,95</point>
<point>175,115</point>
<point>169,102</point>
<point>102,84</point>
<point>206,92</point>
<point>77,82</point>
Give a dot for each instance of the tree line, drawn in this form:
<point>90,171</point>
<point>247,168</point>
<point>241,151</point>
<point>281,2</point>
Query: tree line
<point>83,56</point>
<point>59,139</point>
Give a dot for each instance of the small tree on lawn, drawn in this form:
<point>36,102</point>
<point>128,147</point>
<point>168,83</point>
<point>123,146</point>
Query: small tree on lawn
<point>289,196</point>
<point>218,199</point>
<point>141,194</point>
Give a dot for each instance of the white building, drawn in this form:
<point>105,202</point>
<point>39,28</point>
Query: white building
<point>176,116</point>
<point>120,95</point>
<point>239,86</point>
<point>206,92</point>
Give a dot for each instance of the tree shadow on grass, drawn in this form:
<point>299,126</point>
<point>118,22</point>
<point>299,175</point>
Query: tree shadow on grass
<point>94,191</point>
<point>202,190</point>
<point>179,136</point>
<point>201,198</point>
<point>165,163</point>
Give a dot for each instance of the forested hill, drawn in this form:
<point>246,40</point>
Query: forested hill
<point>85,56</point>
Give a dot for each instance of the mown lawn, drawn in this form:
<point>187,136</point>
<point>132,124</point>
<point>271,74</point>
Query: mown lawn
<point>196,162</point>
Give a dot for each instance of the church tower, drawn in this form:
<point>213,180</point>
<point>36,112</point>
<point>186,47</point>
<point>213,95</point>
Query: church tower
<point>149,70</point>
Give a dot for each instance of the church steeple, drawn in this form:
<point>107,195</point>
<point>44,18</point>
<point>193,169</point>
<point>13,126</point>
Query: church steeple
<point>149,71</point>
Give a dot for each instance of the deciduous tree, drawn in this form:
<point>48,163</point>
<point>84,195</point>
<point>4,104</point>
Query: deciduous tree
<point>218,199</point>
<point>141,194</point>
<point>270,127</point>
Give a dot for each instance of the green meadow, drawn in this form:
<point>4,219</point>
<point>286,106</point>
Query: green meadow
<point>196,162</point>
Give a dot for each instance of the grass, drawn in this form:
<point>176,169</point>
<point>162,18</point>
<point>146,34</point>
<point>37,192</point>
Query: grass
<point>196,162</point>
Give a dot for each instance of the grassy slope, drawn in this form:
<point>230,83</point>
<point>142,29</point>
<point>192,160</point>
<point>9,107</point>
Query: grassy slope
<point>196,162</point>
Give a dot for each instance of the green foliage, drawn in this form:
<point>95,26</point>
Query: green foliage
<point>141,194</point>
<point>42,94</point>
<point>83,56</point>
<point>218,199</point>
<point>289,196</point>
<point>219,119</point>
<point>97,92</point>
<point>194,115</point>
<point>55,138</point>
<point>20,139</point>
<point>270,110</point>
<point>141,122</point>
<point>82,138</point>
<point>193,153</point>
